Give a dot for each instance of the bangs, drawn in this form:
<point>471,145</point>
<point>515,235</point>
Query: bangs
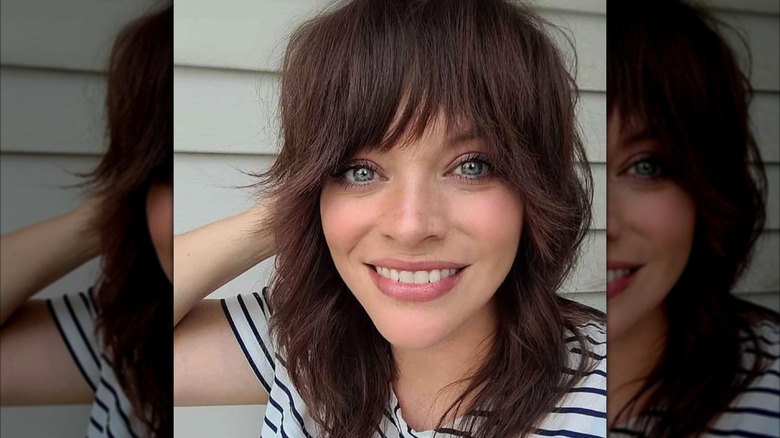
<point>376,74</point>
<point>677,82</point>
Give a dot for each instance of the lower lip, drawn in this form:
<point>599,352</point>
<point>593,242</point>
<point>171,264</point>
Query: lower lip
<point>616,287</point>
<point>415,292</point>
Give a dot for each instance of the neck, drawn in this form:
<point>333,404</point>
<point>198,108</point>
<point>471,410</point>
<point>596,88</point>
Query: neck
<point>428,380</point>
<point>631,358</point>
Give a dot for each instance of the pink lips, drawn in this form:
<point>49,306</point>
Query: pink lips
<point>617,286</point>
<point>414,292</point>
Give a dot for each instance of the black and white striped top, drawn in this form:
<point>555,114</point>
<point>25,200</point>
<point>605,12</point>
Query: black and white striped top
<point>582,414</point>
<point>755,413</point>
<point>112,415</point>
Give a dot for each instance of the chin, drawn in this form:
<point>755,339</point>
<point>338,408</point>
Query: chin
<point>413,331</point>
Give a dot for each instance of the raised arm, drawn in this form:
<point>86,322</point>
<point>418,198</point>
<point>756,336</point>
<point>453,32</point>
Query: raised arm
<point>208,257</point>
<point>35,256</point>
<point>35,366</point>
<point>209,365</point>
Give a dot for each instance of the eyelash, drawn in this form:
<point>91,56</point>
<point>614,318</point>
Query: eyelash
<point>359,164</point>
<point>660,168</point>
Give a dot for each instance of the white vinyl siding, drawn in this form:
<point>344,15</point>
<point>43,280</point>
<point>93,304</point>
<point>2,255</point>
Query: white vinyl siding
<point>225,105</point>
<point>52,73</point>
<point>226,63</point>
<point>758,22</point>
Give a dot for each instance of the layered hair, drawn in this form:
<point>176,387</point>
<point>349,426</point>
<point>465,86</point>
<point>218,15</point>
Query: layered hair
<point>671,73</point>
<point>373,75</point>
<point>133,295</point>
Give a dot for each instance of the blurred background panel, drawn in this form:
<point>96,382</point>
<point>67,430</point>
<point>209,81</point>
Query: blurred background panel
<point>53,57</point>
<point>758,23</point>
<point>226,72</point>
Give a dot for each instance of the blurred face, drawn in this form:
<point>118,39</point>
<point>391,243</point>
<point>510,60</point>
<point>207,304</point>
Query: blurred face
<point>650,231</point>
<point>423,236</point>
<point>159,214</point>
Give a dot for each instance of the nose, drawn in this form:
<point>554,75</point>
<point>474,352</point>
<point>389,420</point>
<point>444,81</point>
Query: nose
<point>415,213</point>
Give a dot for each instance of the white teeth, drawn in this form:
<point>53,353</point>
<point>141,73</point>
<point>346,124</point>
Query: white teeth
<point>415,277</point>
<point>406,277</point>
<point>614,274</point>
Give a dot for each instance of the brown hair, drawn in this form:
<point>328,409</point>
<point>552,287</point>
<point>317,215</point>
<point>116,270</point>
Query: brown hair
<point>372,74</point>
<point>672,74</point>
<point>133,295</point>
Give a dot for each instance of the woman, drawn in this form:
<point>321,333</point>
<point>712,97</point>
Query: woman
<point>428,206</point>
<point>685,207</point>
<point>105,346</point>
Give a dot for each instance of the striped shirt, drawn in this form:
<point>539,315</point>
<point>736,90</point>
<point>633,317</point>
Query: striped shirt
<point>581,414</point>
<point>755,413</point>
<point>112,414</point>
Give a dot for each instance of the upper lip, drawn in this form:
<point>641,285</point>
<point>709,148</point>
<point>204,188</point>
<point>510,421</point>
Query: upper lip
<point>401,265</point>
<point>621,265</point>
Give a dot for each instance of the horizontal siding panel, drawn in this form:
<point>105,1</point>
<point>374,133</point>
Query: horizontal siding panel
<point>231,111</point>
<point>251,35</point>
<point>592,120</point>
<point>597,7</point>
<point>211,421</point>
<point>72,35</point>
<point>224,111</point>
<point>599,172</point>
<point>590,272</point>
<point>765,113</point>
<point>596,300</point>
<point>758,6</point>
<point>766,299</point>
<point>46,111</point>
<point>762,32</point>
<point>589,34</point>
<point>213,181</point>
<point>32,189</point>
<point>763,275</point>
<point>773,197</point>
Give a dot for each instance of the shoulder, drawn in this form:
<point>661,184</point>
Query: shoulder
<point>762,342</point>
<point>767,335</point>
<point>589,344</point>
<point>583,410</point>
<point>755,410</point>
<point>589,340</point>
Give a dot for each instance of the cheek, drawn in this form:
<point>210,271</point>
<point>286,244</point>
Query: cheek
<point>494,218</point>
<point>159,214</point>
<point>657,230</point>
<point>345,220</point>
<point>666,219</point>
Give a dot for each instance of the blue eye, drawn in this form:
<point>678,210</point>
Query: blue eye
<point>359,174</point>
<point>472,168</point>
<point>647,167</point>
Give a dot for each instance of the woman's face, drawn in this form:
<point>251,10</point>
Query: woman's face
<point>650,229</point>
<point>442,231</point>
<point>159,214</point>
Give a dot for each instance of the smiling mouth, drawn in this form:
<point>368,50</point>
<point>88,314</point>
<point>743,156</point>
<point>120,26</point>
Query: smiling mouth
<point>416,277</point>
<point>617,274</point>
